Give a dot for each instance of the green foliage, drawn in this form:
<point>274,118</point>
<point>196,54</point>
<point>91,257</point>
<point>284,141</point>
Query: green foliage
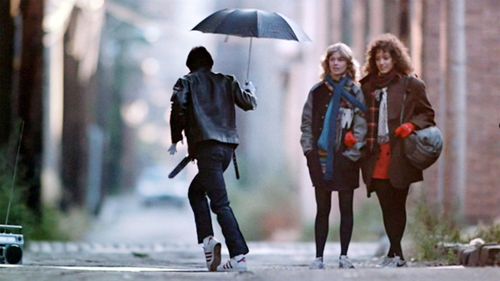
<point>437,237</point>
<point>48,227</point>
<point>367,223</point>
<point>265,210</point>
<point>489,233</point>
<point>431,229</point>
<point>35,227</point>
<point>18,211</point>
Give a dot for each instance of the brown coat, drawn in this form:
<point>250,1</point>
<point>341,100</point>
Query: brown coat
<point>417,110</point>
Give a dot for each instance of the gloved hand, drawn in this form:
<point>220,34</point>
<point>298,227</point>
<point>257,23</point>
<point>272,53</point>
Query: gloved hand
<point>249,87</point>
<point>173,149</point>
<point>404,130</point>
<point>315,171</point>
<point>350,140</point>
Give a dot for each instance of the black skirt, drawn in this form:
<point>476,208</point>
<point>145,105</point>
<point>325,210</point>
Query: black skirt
<point>345,172</point>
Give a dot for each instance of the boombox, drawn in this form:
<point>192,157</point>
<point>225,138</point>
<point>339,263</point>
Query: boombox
<point>11,244</point>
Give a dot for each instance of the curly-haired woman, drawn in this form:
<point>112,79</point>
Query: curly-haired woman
<point>333,132</point>
<point>398,105</point>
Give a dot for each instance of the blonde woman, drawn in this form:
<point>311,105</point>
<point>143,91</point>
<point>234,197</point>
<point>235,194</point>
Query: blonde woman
<point>333,132</point>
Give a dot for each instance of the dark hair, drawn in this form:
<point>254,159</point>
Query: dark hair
<point>198,58</point>
<point>391,44</point>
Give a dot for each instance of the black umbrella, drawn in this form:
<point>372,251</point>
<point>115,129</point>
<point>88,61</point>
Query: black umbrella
<point>251,23</point>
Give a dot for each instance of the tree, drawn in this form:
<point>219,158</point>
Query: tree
<point>30,98</point>
<point>7,51</point>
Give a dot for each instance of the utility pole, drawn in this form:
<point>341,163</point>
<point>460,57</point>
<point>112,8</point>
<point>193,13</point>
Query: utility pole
<point>456,97</point>
<point>57,14</point>
<point>415,36</point>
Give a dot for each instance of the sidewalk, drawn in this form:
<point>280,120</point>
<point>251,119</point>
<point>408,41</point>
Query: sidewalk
<point>129,242</point>
<point>188,256</point>
<point>170,261</point>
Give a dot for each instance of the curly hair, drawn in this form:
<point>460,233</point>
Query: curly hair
<point>388,43</point>
<point>346,53</point>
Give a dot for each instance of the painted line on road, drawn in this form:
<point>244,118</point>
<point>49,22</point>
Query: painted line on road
<point>447,267</point>
<point>126,269</point>
<point>160,269</point>
<point>113,268</point>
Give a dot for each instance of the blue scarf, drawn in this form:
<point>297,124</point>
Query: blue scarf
<point>327,139</point>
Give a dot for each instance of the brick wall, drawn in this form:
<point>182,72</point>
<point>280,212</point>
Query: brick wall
<point>483,48</point>
<point>483,100</point>
<point>431,75</point>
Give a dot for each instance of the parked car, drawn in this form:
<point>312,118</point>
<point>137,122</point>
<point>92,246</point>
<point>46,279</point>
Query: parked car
<point>154,187</point>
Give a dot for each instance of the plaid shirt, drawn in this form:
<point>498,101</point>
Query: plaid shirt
<point>372,120</point>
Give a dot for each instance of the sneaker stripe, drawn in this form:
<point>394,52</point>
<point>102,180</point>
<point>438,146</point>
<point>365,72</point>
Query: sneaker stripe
<point>233,265</point>
<point>227,265</point>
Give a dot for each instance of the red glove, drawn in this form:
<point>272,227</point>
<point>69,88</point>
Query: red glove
<point>350,140</point>
<point>404,130</point>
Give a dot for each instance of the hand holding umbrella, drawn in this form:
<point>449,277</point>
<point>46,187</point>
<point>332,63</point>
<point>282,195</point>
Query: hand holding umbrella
<point>249,87</point>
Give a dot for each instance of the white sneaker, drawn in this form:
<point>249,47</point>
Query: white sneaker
<point>238,264</point>
<point>345,262</point>
<point>317,264</point>
<point>212,249</point>
<point>397,261</point>
<point>386,262</point>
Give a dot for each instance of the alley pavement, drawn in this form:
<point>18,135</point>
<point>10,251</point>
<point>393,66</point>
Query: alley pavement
<point>130,242</point>
<point>183,261</point>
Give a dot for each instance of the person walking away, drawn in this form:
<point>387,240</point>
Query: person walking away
<point>389,86</point>
<point>203,107</point>
<point>333,134</point>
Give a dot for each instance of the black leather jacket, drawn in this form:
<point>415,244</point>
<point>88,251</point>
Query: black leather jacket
<point>203,106</point>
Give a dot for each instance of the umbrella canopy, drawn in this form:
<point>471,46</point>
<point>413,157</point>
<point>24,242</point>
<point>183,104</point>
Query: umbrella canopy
<point>251,23</point>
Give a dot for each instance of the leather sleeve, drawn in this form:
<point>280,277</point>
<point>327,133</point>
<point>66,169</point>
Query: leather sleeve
<point>243,99</point>
<point>178,114</point>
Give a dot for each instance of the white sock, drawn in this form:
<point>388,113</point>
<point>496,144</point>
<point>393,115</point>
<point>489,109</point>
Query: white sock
<point>238,257</point>
<point>206,239</point>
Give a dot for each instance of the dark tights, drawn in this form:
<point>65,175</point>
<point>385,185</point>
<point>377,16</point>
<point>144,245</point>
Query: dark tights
<point>393,203</point>
<point>324,204</point>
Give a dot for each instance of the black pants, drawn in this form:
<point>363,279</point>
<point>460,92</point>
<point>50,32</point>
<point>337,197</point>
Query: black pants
<point>321,225</point>
<point>393,204</point>
<point>213,159</point>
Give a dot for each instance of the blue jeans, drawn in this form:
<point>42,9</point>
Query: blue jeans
<point>213,158</point>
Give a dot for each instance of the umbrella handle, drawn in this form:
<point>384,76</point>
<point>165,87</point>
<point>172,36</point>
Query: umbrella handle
<point>249,56</point>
